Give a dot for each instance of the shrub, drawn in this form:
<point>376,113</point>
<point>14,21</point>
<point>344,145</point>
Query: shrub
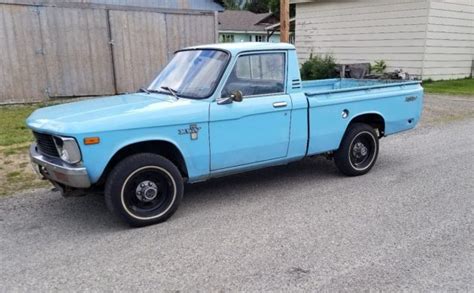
<point>319,67</point>
<point>379,66</point>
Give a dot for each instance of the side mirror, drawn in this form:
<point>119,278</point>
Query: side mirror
<point>235,96</point>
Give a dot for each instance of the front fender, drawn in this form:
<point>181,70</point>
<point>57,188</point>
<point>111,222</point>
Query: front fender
<point>194,151</point>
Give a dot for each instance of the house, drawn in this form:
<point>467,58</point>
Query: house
<point>271,29</point>
<point>246,26</point>
<point>431,38</point>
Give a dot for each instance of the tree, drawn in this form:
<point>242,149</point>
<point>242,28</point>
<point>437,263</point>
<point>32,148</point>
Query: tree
<point>263,6</point>
<point>257,6</point>
<point>228,4</point>
<point>274,6</point>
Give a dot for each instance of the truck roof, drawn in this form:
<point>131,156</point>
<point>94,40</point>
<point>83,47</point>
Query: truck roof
<point>246,46</point>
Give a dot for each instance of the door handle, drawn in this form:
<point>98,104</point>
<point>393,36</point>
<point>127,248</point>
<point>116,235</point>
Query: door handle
<point>280,104</point>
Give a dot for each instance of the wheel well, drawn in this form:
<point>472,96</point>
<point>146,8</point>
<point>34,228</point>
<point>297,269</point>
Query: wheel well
<point>374,120</point>
<point>163,148</point>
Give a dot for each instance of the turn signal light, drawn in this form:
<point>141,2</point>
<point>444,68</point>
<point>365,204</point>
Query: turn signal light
<point>91,140</point>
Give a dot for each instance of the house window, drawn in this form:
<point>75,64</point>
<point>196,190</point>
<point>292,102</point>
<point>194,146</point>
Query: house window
<point>259,39</point>
<point>226,38</point>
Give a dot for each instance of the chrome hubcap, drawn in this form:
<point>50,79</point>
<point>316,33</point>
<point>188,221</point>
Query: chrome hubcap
<point>146,191</point>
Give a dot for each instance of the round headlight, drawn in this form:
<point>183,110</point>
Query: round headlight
<point>64,155</point>
<point>68,149</point>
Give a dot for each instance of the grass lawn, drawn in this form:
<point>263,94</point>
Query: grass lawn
<point>463,87</point>
<point>15,171</point>
<point>12,124</point>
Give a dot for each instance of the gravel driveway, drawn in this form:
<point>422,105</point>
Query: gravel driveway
<point>408,224</point>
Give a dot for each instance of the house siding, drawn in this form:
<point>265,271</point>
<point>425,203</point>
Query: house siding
<point>450,39</point>
<point>418,36</point>
<point>365,30</point>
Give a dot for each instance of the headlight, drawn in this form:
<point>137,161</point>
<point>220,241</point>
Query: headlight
<point>68,149</point>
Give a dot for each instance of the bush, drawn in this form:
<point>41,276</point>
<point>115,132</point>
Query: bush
<point>379,66</point>
<point>319,67</point>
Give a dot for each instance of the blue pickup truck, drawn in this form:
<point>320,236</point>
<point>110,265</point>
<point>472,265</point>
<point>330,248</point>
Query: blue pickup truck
<point>214,110</point>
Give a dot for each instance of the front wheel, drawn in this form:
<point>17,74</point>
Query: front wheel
<point>144,189</point>
<point>358,150</point>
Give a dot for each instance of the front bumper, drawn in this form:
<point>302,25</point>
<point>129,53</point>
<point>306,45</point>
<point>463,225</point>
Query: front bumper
<point>58,171</point>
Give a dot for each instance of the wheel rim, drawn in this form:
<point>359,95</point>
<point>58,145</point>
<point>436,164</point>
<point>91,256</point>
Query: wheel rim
<point>362,150</point>
<point>148,193</point>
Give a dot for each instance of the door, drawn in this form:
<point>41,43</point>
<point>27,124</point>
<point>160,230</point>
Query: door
<point>256,129</point>
<point>76,51</point>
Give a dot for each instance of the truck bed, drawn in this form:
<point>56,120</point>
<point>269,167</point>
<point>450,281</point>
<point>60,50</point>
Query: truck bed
<point>397,103</point>
<point>325,86</point>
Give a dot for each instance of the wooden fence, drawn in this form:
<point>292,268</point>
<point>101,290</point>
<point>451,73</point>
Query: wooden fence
<point>51,51</point>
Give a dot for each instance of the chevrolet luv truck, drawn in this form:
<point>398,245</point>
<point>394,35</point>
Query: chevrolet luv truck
<point>214,110</point>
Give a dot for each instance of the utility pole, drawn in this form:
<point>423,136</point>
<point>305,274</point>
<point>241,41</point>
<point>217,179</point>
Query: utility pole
<point>285,21</point>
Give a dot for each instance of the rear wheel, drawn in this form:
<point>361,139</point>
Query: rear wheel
<point>144,189</point>
<point>358,151</point>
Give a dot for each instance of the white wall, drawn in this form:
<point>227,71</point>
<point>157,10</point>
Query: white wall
<point>450,39</point>
<point>396,31</point>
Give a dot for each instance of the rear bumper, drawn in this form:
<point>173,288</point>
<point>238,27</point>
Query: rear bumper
<point>58,171</point>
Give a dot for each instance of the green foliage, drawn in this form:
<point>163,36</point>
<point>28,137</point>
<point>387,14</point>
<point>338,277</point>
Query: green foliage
<point>263,6</point>
<point>319,67</point>
<point>229,4</point>
<point>13,128</point>
<point>274,6</point>
<point>257,6</point>
<point>429,80</point>
<point>464,87</point>
<point>379,66</point>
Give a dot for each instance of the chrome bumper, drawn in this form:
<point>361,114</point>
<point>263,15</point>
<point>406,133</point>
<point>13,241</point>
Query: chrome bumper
<point>56,170</point>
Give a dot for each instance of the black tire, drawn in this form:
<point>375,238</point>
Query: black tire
<point>144,189</point>
<point>358,150</point>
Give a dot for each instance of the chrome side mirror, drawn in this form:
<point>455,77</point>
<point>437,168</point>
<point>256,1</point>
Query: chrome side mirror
<point>235,96</point>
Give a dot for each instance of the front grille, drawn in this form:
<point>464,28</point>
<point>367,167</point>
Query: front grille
<point>46,144</point>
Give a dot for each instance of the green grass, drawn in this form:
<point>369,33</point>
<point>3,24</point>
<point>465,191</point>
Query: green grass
<point>20,181</point>
<point>15,172</point>
<point>13,128</point>
<point>463,87</point>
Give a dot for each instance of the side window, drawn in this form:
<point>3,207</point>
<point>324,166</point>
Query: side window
<point>257,74</point>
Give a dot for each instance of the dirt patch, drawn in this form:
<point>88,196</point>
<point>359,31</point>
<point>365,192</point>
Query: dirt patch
<point>16,173</point>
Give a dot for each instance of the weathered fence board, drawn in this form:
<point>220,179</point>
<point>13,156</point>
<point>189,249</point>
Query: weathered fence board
<point>22,68</point>
<point>186,30</point>
<point>48,51</point>
<point>143,42</point>
<point>77,51</point>
<point>139,47</point>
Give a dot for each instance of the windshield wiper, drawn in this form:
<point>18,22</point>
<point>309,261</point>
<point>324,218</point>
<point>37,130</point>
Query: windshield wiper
<point>143,90</point>
<point>172,91</point>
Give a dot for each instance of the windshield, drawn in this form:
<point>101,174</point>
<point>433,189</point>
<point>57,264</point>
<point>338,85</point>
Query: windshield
<point>191,74</point>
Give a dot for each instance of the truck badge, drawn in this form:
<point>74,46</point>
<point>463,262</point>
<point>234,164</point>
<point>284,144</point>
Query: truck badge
<point>193,131</point>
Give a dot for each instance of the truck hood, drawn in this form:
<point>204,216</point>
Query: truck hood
<point>117,113</point>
